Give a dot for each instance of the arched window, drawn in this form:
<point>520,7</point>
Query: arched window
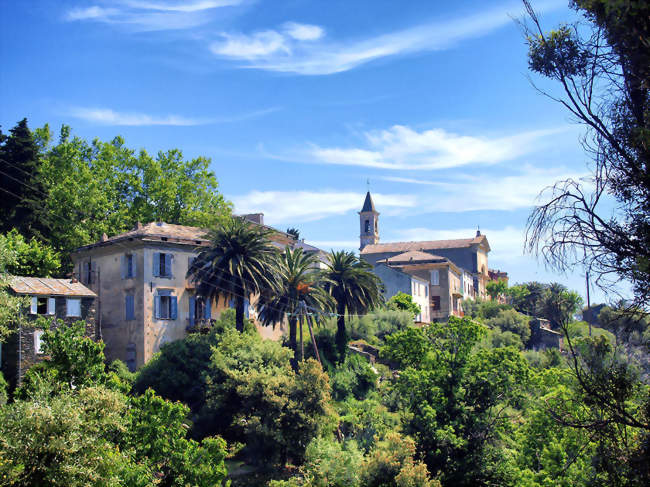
<point>367,227</point>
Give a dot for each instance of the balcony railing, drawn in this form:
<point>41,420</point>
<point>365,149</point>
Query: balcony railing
<point>199,326</point>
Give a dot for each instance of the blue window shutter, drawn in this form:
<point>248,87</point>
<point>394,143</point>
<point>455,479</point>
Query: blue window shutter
<point>168,264</point>
<point>192,303</point>
<point>123,266</point>
<point>174,301</point>
<point>130,307</point>
<point>156,264</point>
<point>156,307</point>
<point>208,308</point>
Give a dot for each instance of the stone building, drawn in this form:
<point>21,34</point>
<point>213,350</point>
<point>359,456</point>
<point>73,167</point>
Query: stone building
<point>453,269</point>
<point>144,297</point>
<point>54,299</point>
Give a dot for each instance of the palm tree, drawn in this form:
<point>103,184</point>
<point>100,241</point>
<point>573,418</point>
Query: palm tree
<point>239,262</point>
<point>298,281</point>
<point>354,287</point>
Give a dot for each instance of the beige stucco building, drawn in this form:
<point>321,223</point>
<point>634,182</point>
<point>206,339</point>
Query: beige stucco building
<point>453,269</point>
<point>143,297</point>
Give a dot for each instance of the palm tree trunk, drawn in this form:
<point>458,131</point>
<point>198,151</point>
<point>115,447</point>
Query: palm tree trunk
<point>239,313</point>
<point>341,333</point>
<point>293,345</point>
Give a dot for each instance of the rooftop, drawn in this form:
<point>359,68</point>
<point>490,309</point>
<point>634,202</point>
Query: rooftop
<point>425,245</point>
<point>415,257</point>
<point>48,286</point>
<point>368,204</point>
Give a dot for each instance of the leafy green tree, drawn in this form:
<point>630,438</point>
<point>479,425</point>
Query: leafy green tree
<point>3,390</point>
<point>560,305</point>
<point>497,288</point>
<point>403,302</point>
<point>517,296</point>
<point>157,430</point>
<point>69,440</point>
<point>10,305</point>
<point>297,285</point>
<point>255,398</point>
<point>105,187</point>
<point>408,348</point>
<point>508,320</point>
<point>22,185</point>
<point>354,287</point>
<point>458,401</point>
<point>366,421</point>
<point>602,67</point>
<point>32,258</point>
<point>238,263</point>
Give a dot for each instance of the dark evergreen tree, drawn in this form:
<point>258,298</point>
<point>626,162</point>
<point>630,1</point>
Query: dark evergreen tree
<point>23,192</point>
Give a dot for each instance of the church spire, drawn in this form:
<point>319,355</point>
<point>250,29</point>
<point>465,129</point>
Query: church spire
<point>369,223</point>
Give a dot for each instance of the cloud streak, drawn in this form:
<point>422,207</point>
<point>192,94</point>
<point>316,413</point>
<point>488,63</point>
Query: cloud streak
<point>402,148</point>
<point>299,54</point>
<point>151,15</point>
<point>106,116</point>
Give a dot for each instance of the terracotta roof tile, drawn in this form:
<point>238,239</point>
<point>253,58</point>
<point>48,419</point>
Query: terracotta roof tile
<point>48,286</point>
<point>415,256</point>
<point>424,245</point>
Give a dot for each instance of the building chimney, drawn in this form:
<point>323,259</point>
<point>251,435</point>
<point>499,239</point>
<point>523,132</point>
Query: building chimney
<point>104,237</point>
<point>255,218</point>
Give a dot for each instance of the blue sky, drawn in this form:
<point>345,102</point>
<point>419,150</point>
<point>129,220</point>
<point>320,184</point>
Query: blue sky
<point>298,103</point>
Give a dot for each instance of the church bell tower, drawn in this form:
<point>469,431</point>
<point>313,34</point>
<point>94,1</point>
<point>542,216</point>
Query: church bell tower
<point>369,223</point>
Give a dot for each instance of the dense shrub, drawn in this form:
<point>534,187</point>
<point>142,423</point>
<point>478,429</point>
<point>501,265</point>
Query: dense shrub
<point>354,377</point>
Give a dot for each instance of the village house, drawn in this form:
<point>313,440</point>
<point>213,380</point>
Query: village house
<point>54,299</point>
<point>145,299</point>
<point>449,270</point>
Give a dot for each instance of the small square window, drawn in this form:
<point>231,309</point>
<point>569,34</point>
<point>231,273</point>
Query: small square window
<point>73,306</point>
<point>41,307</point>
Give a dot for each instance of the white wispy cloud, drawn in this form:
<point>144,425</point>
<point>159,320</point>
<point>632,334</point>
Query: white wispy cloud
<point>301,55</point>
<point>106,116</point>
<point>150,15</point>
<point>488,192</point>
<point>400,147</point>
<point>303,32</point>
<point>301,206</point>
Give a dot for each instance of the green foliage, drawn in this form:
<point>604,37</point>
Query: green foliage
<point>497,288</point>
<point>374,326</point>
<point>32,258</point>
<point>403,302</point>
<point>457,400</point>
<point>483,310</point>
<point>254,397</point>
<point>353,377</point>
<point>392,463</point>
<point>408,348</point>
<point>329,463</point>
<point>10,305</point>
<point>3,390</point>
<point>500,338</point>
<point>105,187</point>
<point>239,262</point>
<point>366,421</point>
<point>70,441</point>
<point>156,431</point>
<point>508,320</point>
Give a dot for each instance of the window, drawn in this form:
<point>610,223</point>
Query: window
<point>435,277</point>
<point>87,272</point>
<point>73,307</point>
<point>162,264</point>
<point>366,228</point>
<point>42,305</point>
<point>165,305</point>
<point>129,307</point>
<point>128,266</point>
<point>435,303</point>
<point>426,291</point>
<point>38,343</point>
<point>199,309</point>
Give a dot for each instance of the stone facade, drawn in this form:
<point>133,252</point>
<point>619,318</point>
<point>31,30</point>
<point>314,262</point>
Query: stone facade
<point>542,337</point>
<point>21,350</point>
